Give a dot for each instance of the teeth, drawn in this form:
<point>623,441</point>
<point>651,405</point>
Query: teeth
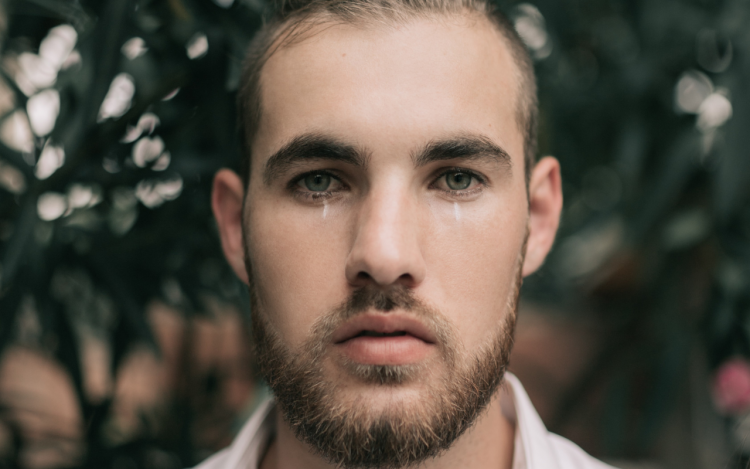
<point>382,334</point>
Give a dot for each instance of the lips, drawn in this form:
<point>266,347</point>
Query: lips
<point>390,325</point>
<point>390,339</point>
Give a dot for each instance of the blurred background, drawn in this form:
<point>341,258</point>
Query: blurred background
<point>124,338</point>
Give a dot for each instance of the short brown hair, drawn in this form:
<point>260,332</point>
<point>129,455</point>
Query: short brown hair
<point>290,19</point>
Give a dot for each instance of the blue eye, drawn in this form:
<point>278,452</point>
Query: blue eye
<point>457,180</point>
<point>317,182</point>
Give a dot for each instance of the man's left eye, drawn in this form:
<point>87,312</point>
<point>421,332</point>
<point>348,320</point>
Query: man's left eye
<point>457,181</point>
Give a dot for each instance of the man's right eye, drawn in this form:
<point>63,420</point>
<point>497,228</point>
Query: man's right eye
<point>316,182</point>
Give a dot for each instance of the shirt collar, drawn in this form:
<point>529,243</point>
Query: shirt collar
<point>533,448</point>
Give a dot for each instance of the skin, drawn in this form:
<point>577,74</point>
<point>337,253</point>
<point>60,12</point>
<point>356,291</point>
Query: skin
<point>390,91</point>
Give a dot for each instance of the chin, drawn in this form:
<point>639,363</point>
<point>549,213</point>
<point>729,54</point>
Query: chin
<point>402,381</point>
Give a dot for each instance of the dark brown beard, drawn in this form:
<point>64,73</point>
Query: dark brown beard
<point>351,436</point>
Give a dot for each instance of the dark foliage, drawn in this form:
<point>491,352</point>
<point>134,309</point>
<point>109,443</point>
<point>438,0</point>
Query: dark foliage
<point>646,104</point>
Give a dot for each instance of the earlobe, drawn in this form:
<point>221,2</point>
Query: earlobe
<point>545,205</point>
<point>227,201</point>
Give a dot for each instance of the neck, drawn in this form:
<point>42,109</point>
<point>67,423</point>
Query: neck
<point>488,444</point>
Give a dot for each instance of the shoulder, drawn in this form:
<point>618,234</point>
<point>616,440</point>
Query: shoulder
<point>571,456</point>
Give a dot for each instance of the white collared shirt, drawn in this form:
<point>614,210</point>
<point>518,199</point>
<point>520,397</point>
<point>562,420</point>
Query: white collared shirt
<point>534,447</point>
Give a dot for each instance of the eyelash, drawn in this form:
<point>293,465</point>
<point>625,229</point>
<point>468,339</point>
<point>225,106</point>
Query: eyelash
<point>316,196</point>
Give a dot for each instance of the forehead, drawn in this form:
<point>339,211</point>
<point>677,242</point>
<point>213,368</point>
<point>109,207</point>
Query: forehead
<point>392,87</point>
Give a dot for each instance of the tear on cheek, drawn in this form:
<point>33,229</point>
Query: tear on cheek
<point>447,213</point>
<point>331,211</point>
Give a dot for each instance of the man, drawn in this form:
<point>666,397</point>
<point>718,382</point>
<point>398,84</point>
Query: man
<point>387,211</point>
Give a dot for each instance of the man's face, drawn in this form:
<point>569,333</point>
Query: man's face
<point>387,212</point>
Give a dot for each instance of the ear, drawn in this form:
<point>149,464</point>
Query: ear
<point>226,201</point>
<point>545,205</point>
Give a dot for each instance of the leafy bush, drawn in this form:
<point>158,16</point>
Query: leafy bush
<point>114,116</point>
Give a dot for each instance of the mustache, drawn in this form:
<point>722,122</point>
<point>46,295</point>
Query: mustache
<point>369,298</point>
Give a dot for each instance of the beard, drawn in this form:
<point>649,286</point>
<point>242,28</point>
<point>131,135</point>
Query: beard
<point>353,434</point>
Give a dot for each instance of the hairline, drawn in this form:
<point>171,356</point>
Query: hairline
<point>302,24</point>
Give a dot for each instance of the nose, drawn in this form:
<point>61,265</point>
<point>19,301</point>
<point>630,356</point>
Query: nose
<point>386,248</point>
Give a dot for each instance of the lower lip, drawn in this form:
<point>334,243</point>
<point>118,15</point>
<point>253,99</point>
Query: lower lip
<point>398,350</point>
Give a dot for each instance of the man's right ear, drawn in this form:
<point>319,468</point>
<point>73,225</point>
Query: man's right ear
<point>226,201</point>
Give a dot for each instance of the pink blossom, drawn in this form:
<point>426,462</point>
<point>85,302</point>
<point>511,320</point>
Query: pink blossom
<point>731,386</point>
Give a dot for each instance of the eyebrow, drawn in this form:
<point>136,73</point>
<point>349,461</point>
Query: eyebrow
<point>311,147</point>
<point>463,147</point>
<point>316,146</point>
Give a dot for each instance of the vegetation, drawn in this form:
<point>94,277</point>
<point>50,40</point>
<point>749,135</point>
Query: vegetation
<point>115,114</point>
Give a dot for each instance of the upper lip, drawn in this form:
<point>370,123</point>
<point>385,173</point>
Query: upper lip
<point>384,324</point>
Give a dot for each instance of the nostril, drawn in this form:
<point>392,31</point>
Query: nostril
<point>407,280</point>
<point>362,279</point>
<point>364,276</point>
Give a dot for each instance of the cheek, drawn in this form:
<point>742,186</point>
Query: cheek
<point>300,253</point>
<point>472,254</point>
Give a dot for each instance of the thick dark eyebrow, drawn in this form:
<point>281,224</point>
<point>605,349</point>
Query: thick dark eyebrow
<point>463,147</point>
<point>311,147</point>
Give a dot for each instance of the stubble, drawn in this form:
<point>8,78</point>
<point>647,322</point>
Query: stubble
<point>351,435</point>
